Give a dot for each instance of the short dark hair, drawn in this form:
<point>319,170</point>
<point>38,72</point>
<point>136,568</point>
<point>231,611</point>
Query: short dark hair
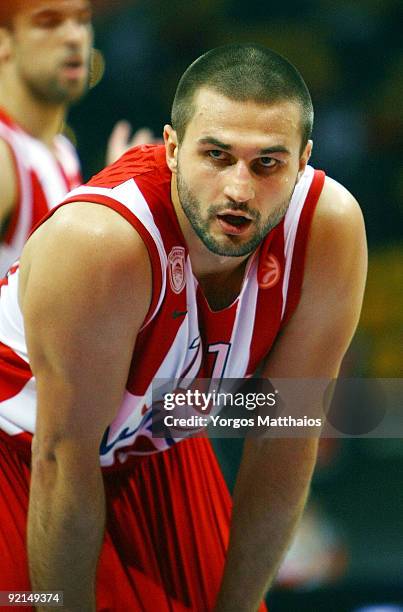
<point>242,72</point>
<point>8,10</point>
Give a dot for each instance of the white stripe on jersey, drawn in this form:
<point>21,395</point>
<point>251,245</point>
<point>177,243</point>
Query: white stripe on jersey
<point>10,252</point>
<point>66,155</point>
<point>131,197</point>
<point>45,166</point>
<point>291,223</point>
<point>32,156</point>
<point>11,321</point>
<point>20,411</point>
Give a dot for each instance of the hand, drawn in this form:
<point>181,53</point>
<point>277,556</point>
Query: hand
<point>121,140</point>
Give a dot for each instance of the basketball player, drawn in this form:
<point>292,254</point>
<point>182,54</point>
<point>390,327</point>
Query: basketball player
<point>214,255</point>
<point>44,65</point>
<point>45,48</point>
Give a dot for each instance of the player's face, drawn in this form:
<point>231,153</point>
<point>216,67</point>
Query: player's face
<point>51,44</point>
<point>237,168</point>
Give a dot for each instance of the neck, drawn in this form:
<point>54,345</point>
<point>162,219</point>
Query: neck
<point>204,262</point>
<point>41,120</point>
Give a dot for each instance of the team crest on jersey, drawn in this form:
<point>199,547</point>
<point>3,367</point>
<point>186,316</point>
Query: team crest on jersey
<point>270,272</point>
<point>176,261</point>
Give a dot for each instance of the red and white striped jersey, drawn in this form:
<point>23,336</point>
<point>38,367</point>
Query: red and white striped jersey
<point>43,179</point>
<point>181,338</point>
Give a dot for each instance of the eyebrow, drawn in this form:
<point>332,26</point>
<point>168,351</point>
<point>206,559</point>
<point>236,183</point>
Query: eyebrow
<point>53,10</point>
<point>226,147</point>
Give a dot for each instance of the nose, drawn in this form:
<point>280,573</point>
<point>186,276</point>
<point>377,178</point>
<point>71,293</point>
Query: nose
<point>239,186</point>
<point>74,33</point>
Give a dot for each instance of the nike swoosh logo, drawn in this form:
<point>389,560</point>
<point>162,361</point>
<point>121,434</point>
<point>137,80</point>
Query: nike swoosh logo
<point>179,313</point>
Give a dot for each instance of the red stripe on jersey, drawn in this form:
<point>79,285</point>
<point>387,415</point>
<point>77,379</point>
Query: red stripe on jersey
<point>147,352</point>
<point>21,443</point>
<point>7,119</point>
<point>147,166</point>
<point>156,189</point>
<point>39,202</point>
<point>4,281</point>
<point>301,241</point>
<point>15,373</point>
<point>269,302</point>
<point>215,331</point>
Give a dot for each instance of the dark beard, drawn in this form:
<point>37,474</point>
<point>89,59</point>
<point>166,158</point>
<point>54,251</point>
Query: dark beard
<point>191,207</point>
<point>52,92</point>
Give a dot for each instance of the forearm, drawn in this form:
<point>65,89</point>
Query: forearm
<point>65,531</point>
<point>269,498</point>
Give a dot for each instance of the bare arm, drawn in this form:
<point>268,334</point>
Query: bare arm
<point>8,182</point>
<point>86,285</point>
<point>274,476</point>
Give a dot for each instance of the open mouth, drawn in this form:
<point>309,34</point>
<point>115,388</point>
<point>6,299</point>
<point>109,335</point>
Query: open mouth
<point>73,61</point>
<point>74,67</point>
<point>234,224</point>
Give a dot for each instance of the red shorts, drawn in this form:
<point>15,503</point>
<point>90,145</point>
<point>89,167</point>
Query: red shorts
<point>166,532</point>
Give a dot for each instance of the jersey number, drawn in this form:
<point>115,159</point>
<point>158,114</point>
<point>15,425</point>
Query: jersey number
<point>221,350</point>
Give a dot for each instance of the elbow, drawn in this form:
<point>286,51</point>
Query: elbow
<point>43,464</point>
<point>64,458</point>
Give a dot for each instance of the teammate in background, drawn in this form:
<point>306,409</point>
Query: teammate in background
<point>218,254</point>
<point>45,52</point>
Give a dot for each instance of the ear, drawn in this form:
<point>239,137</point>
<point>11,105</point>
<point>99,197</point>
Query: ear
<point>5,44</point>
<point>171,147</point>
<point>303,160</point>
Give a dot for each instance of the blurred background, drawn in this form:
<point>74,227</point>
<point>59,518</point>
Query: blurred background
<point>348,554</point>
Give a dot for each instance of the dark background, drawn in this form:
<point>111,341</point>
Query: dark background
<point>351,56</point>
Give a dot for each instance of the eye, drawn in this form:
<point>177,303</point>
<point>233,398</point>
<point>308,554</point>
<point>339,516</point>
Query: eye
<point>48,19</point>
<point>268,162</point>
<point>216,154</point>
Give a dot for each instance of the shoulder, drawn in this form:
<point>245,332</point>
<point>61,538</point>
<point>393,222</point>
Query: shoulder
<point>92,228</point>
<point>337,208</point>
<point>90,244</point>
<point>338,229</point>
<point>336,257</point>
